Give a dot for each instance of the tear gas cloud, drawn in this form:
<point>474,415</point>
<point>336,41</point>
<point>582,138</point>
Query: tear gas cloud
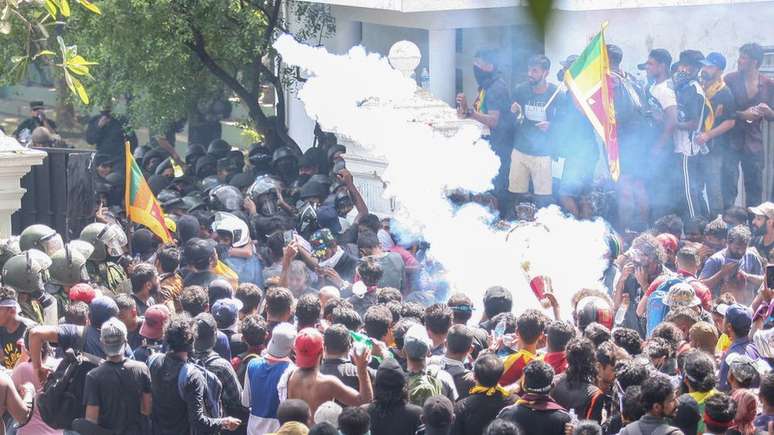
<point>423,164</point>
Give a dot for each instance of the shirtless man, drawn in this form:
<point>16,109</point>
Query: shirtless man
<point>308,384</point>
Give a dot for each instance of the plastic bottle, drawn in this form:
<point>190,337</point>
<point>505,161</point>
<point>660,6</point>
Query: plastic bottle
<point>621,313</point>
<point>499,330</point>
<point>424,79</point>
<point>573,417</point>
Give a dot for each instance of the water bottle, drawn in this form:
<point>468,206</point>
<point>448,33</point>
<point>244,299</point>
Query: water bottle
<point>499,330</point>
<point>424,79</point>
<point>573,417</point>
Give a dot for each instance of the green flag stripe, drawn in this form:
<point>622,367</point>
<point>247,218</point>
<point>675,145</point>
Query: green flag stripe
<point>135,182</point>
<point>589,55</point>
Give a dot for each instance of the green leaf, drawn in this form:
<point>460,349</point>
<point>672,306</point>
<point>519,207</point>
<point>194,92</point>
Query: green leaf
<point>44,53</point>
<point>64,6</point>
<point>50,7</point>
<point>78,65</point>
<point>90,6</point>
<point>80,90</point>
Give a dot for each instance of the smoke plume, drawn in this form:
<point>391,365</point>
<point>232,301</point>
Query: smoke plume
<point>424,164</point>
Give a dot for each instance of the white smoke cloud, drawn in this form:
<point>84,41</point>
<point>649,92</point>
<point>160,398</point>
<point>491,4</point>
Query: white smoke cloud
<point>422,164</point>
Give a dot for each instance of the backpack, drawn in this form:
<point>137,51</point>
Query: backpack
<point>422,386</point>
<point>61,400</point>
<point>657,310</point>
<point>213,388</point>
<point>242,361</point>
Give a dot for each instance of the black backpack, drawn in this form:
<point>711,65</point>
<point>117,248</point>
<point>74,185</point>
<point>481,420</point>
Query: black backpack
<point>61,400</point>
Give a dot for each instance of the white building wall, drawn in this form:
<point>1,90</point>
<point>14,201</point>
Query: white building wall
<point>713,27</point>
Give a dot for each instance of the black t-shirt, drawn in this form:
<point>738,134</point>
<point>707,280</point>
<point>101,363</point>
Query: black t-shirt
<point>585,398</point>
<point>117,389</point>
<point>10,351</point>
<point>549,422</point>
<point>497,98</point>
<point>474,412</point>
<point>724,108</point>
<point>757,242</point>
<point>203,278</point>
<point>69,337</point>
<point>399,420</point>
<point>530,139</point>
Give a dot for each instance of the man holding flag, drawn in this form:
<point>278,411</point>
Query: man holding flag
<point>141,205</point>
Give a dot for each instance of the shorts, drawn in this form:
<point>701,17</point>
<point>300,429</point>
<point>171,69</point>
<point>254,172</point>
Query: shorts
<point>525,167</point>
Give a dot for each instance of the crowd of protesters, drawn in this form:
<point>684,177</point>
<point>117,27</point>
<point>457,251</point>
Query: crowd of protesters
<point>281,305</point>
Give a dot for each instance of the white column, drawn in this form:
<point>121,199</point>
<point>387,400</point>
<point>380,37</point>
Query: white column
<point>441,55</point>
<point>15,162</point>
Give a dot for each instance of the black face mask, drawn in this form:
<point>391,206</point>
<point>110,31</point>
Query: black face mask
<point>706,77</point>
<point>482,77</point>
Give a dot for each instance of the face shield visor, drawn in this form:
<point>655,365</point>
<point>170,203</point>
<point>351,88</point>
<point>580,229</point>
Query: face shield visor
<point>114,238</point>
<point>51,244</point>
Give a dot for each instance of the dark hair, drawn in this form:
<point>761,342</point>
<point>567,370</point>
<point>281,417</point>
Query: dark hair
<point>377,321</point>
<point>142,274</point>
<point>369,222</point>
<point>628,339</point>
<point>323,428</point>
<point>250,295</point>
<point>669,332</point>
<point>540,60</point>
<point>670,223</point>
<point>719,408</point>
<point>597,333</point>
<point>695,225</point>
<point>558,333</point>
<point>587,427</point>
<point>766,390</point>
<point>509,320</point>
<point>348,317</point>
<point>538,373</point>
<point>219,289</point>
<point>530,325</point>
<point>253,330</point>
<point>438,318</point>
<point>293,410</point>
<point>655,390</point>
<point>400,328</point>
<point>606,354</point>
<point>179,335</point>
<point>717,228</point>
<point>7,293</point>
<point>331,304</point>
<point>739,234</point>
<point>308,310</point>
<point>754,51</point>
<point>657,347</point>
<point>413,309</point>
<point>438,412</point>
<point>498,426</point>
<point>683,313</point>
<point>354,420</point>
<point>495,306</point>
<point>580,361</point>
<point>279,301</point>
<point>388,294</point>
<point>687,255</point>
<point>456,302</point>
<point>699,371</point>
<point>459,340</point>
<point>125,302</point>
<point>370,271</point>
<point>488,55</point>
<point>632,408</point>
<point>488,369</point>
<point>367,239</point>
<point>168,257</point>
<point>76,313</point>
<point>631,372</point>
<point>336,339</point>
<point>194,300</point>
<point>395,309</point>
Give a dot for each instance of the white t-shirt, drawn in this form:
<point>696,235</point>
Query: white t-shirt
<point>664,93</point>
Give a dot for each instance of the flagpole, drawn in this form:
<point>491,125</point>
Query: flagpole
<point>127,171</point>
<point>556,92</point>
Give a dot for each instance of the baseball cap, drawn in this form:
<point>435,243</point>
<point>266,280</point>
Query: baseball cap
<point>328,412</point>
<point>101,309</point>
<point>112,336</point>
<point>199,250</point>
<point>498,292</point>
<point>739,316</point>
<point>742,367</point>
<point>660,55</point>
<point>390,375</point>
<point>691,57</point>
<point>682,295</point>
<point>206,332</point>
<point>82,292</point>
<point>281,342</point>
<point>764,209</point>
<point>321,240</point>
<point>416,342</point>
<point>226,313</point>
<point>156,317</point>
<point>308,346</point>
<point>569,61</point>
<point>35,105</point>
<point>715,59</point>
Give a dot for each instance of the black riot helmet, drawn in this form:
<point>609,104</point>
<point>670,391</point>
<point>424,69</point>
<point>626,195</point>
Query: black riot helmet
<point>218,149</point>
<point>226,198</point>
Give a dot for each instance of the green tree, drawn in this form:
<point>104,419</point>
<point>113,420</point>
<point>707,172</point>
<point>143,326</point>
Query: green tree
<point>166,56</point>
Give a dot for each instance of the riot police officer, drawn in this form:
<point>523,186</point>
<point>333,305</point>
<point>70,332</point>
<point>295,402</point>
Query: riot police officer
<point>108,241</point>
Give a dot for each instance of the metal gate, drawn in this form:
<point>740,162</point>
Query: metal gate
<point>60,193</point>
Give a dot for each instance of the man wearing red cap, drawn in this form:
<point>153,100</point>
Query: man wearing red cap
<point>308,384</point>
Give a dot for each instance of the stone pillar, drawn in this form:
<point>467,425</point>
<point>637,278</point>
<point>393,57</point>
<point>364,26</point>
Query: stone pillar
<point>442,54</point>
<point>15,162</point>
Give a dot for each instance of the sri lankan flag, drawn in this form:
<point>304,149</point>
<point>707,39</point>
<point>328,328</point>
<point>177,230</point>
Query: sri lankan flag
<point>141,204</point>
<point>588,78</point>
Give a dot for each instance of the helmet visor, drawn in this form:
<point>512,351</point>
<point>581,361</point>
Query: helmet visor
<point>52,244</point>
<point>114,239</point>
